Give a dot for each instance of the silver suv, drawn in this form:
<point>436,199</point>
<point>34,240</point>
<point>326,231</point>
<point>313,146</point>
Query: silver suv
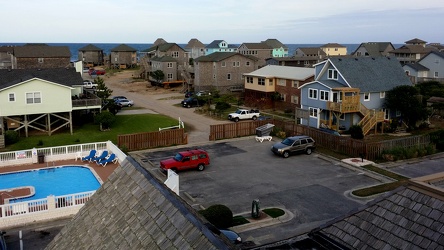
<point>290,145</point>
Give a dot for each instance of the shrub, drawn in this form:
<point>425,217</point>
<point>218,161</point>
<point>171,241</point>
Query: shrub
<point>218,215</point>
<point>356,132</point>
<point>106,118</point>
<point>11,137</point>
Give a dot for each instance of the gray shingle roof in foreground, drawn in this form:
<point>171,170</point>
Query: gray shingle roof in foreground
<point>133,210</point>
<point>410,217</point>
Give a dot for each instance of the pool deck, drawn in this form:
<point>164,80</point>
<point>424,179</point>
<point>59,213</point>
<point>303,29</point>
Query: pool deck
<point>102,172</point>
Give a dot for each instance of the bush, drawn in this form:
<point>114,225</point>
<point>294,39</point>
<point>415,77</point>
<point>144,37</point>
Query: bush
<point>218,215</point>
<point>356,132</point>
<point>11,137</point>
<point>106,118</point>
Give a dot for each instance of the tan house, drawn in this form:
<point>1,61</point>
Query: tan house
<point>412,51</point>
<point>6,53</point>
<point>334,49</point>
<point>44,100</point>
<point>195,48</point>
<point>91,55</point>
<point>260,50</point>
<point>41,56</point>
<point>223,71</point>
<point>276,87</point>
<point>123,56</point>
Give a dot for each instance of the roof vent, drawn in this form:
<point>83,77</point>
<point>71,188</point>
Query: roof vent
<point>373,58</point>
<point>340,59</point>
<point>356,58</point>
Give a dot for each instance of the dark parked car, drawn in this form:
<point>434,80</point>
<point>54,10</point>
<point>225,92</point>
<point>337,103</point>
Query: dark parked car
<point>231,235</point>
<point>294,144</point>
<point>192,102</point>
<point>189,94</point>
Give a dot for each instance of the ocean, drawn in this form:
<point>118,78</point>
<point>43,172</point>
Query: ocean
<point>107,47</point>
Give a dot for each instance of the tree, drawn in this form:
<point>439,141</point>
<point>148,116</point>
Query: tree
<point>102,91</point>
<point>406,99</point>
<point>105,119</point>
<point>158,76</point>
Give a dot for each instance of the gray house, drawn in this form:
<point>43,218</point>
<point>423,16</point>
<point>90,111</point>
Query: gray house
<point>374,49</point>
<point>91,55</point>
<point>348,91</point>
<point>428,68</point>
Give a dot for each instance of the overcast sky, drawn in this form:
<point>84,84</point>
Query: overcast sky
<point>235,21</point>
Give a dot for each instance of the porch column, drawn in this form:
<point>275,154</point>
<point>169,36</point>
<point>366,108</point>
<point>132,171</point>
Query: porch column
<point>26,125</point>
<point>48,123</point>
<point>70,122</point>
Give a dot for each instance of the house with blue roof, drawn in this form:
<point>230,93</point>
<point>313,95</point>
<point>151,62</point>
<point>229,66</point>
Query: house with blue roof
<point>219,46</point>
<point>347,91</point>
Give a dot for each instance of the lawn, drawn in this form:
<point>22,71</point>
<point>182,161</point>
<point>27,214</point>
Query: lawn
<point>125,124</point>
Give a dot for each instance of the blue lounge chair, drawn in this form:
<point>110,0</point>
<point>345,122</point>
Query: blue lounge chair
<point>91,155</point>
<point>105,161</point>
<point>101,156</point>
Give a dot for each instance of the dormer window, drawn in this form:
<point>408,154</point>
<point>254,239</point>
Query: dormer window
<point>333,74</point>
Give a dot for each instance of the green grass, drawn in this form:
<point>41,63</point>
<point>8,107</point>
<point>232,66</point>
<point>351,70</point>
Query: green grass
<point>239,220</point>
<point>274,212</point>
<point>125,124</point>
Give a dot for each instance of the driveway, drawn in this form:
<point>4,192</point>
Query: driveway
<point>313,188</point>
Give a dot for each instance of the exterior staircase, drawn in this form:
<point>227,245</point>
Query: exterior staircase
<point>370,118</point>
<point>189,81</point>
<point>144,68</point>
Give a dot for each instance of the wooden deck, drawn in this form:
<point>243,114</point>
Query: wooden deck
<point>102,172</point>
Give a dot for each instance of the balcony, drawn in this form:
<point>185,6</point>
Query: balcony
<point>348,101</point>
<point>86,101</point>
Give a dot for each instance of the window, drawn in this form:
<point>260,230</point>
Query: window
<point>270,82</point>
<point>214,76</point>
<point>223,64</point>
<point>382,95</point>
<point>386,114</point>
<point>295,84</point>
<point>261,81</point>
<point>229,76</point>
<point>313,112</point>
<point>283,97</point>
<point>436,74</point>
<point>313,93</point>
<point>333,74</point>
<point>295,99</point>
<point>281,82</point>
<point>236,64</point>
<point>33,97</point>
<point>170,76</point>
<point>11,97</point>
<point>169,65</point>
<point>175,54</point>
<point>323,95</point>
<point>247,63</point>
<point>366,97</point>
<point>249,79</point>
<point>40,60</point>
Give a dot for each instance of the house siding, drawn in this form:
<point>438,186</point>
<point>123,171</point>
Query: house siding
<point>43,63</point>
<point>434,63</point>
<point>54,98</point>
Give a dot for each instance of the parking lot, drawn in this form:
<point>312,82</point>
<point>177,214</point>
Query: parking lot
<point>312,187</point>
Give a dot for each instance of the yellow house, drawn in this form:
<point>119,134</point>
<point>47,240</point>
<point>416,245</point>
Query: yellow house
<point>334,49</point>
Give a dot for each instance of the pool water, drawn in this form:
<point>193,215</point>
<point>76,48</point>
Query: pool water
<point>51,181</point>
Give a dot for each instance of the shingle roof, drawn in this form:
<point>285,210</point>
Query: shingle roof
<point>416,66</point>
<point>41,51</point>
<point>163,59</point>
<point>415,49</point>
<point>284,72</point>
<point>90,47</point>
<point>371,74</point>
<point>220,56</point>
<point>123,48</point>
<point>159,41</point>
<point>257,46</point>
<point>274,43</point>
<point>410,217</point>
<point>415,41</point>
<point>194,43</point>
<point>437,53</point>
<point>161,47</point>
<point>214,44</point>
<point>332,45</point>
<point>312,51</point>
<point>375,48</point>
<point>67,77</point>
<point>133,210</point>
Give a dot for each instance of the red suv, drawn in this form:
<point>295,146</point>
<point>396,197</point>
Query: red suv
<point>196,158</point>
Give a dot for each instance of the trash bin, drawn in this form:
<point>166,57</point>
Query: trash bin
<point>264,130</point>
<point>41,157</point>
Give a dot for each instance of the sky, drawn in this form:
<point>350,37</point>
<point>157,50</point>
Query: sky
<point>235,21</point>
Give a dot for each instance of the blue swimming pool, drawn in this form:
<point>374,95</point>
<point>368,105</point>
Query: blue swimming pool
<point>56,181</point>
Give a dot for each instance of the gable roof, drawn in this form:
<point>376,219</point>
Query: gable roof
<point>41,51</point>
<point>312,51</point>
<point>159,41</point>
<point>416,66</point>
<point>414,49</point>
<point>133,210</point>
<point>433,52</point>
<point>257,46</point>
<point>123,48</point>
<point>164,47</point>
<point>410,217</point>
<point>415,41</point>
<point>62,76</point>
<point>214,44</point>
<point>284,72</point>
<point>333,45</point>
<point>375,48</point>
<point>220,56</point>
<point>90,47</point>
<point>194,43</point>
<point>274,43</point>
<point>371,74</point>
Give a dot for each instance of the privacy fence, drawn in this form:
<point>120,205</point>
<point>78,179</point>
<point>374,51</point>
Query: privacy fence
<point>342,144</point>
<point>164,138</point>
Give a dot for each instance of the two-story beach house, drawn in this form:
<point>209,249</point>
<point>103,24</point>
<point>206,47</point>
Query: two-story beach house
<point>222,71</point>
<point>42,100</point>
<point>348,91</point>
<point>219,46</point>
<point>428,68</point>
<point>279,49</point>
<point>91,55</point>
<point>260,50</point>
<point>40,56</point>
<point>334,49</point>
<point>373,49</point>
<point>276,86</point>
<point>123,56</point>
<point>412,51</point>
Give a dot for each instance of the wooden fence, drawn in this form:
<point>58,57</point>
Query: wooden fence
<point>342,144</point>
<point>148,140</point>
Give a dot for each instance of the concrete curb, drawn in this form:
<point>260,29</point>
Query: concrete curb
<point>260,223</point>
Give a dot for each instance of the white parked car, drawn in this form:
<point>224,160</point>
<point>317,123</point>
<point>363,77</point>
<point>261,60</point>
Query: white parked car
<point>124,102</point>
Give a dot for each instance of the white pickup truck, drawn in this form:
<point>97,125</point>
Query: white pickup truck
<point>243,114</point>
<point>87,84</point>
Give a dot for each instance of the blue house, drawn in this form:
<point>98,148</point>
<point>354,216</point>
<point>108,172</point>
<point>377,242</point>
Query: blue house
<point>219,46</point>
<point>348,91</point>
